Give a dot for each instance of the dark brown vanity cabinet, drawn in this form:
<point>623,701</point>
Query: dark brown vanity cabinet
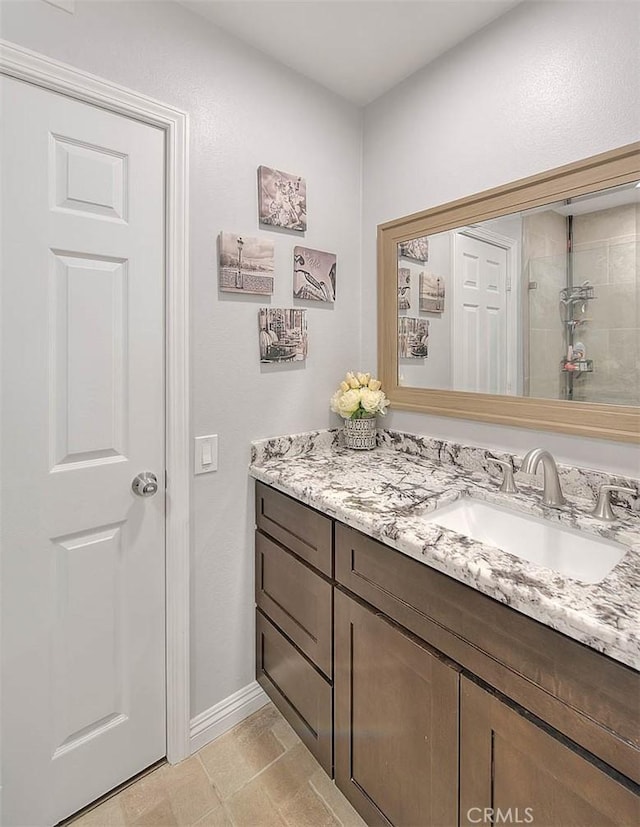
<point>438,705</point>
<point>294,616</point>
<point>396,721</point>
<point>544,722</point>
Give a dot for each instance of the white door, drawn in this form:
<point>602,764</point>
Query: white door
<point>479,340</point>
<point>83,670</point>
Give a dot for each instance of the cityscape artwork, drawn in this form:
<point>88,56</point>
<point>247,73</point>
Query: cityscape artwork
<point>413,338</point>
<point>432,292</point>
<point>246,264</point>
<point>282,334</point>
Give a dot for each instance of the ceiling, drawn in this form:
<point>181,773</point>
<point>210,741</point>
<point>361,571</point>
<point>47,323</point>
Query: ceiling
<point>620,196</point>
<point>357,48</point>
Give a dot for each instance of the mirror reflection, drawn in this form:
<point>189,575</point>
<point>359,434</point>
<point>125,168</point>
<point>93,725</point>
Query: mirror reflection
<point>542,303</point>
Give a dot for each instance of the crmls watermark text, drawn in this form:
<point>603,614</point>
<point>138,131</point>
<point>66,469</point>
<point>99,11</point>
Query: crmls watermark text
<point>489,815</point>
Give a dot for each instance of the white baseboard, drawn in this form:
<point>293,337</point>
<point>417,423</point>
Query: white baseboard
<point>220,718</point>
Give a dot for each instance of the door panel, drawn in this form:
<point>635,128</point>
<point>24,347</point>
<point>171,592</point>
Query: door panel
<point>88,350</point>
<point>83,674</point>
<point>88,630</point>
<point>88,179</point>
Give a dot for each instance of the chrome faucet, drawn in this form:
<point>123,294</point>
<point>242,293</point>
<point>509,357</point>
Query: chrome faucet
<point>551,493</point>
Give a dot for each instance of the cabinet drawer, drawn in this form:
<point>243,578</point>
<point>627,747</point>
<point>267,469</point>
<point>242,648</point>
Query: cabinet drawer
<point>297,599</point>
<point>590,698</point>
<point>298,527</point>
<point>302,695</point>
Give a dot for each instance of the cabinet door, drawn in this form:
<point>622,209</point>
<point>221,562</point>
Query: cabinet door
<point>396,722</point>
<point>525,775</point>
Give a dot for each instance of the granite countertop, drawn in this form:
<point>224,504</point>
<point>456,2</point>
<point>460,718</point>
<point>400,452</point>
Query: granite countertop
<point>385,493</point>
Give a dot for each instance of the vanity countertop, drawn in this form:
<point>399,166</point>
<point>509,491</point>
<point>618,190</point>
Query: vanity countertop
<point>383,493</point>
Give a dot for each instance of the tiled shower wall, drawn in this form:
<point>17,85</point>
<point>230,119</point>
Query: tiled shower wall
<point>606,253</point>
<point>544,244</point>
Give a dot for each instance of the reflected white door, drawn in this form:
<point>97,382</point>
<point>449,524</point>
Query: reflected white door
<point>83,671</point>
<point>479,331</point>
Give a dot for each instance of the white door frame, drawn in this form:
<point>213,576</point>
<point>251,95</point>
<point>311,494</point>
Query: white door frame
<point>512,248</point>
<point>25,65</point>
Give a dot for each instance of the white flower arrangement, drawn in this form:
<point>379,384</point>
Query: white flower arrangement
<point>359,397</point>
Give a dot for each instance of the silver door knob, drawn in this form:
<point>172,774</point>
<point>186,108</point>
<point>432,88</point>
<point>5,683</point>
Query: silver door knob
<point>145,484</point>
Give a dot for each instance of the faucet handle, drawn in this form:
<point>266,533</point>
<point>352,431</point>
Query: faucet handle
<point>603,510</point>
<point>508,483</point>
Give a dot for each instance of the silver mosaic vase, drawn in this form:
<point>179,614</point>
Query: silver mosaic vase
<point>360,434</point>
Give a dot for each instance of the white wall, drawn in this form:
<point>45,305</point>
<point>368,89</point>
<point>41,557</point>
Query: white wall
<point>547,84</point>
<point>435,370</point>
<point>245,110</point>
<point>544,85</point>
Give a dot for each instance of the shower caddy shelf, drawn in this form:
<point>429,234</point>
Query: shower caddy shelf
<point>581,366</point>
<point>573,295</point>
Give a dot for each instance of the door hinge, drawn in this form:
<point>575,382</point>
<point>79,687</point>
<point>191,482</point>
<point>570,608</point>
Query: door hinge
<point>508,286</point>
<point>166,479</point>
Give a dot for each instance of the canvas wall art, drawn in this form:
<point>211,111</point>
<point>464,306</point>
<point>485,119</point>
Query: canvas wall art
<point>415,248</point>
<point>246,264</point>
<point>404,288</point>
<point>282,199</point>
<point>431,293</point>
<point>282,334</point>
<point>314,275</point>
<point>413,335</point>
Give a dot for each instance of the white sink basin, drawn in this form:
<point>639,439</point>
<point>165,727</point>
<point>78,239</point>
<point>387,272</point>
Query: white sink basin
<point>575,554</point>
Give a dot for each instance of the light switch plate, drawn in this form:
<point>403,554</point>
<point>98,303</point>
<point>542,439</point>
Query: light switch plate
<point>206,454</point>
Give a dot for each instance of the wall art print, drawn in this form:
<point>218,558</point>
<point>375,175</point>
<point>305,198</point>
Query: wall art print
<point>404,288</point>
<point>246,265</point>
<point>415,248</point>
<point>431,295</point>
<point>314,275</point>
<point>282,199</point>
<point>413,335</point>
<point>282,334</point>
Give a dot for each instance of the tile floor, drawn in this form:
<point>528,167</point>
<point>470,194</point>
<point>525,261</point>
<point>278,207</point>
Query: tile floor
<point>259,774</point>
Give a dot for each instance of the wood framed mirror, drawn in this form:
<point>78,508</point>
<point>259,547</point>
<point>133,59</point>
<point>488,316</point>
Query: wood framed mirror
<point>564,403</point>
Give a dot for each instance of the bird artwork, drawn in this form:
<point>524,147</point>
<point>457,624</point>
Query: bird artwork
<point>314,275</point>
<point>404,288</point>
